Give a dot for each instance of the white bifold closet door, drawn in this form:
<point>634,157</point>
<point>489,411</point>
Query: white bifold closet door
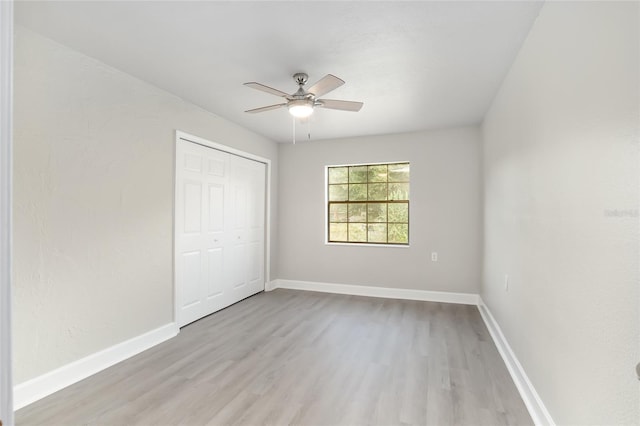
<point>220,234</point>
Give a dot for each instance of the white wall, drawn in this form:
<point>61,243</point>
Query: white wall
<point>444,213</point>
<point>561,210</point>
<point>94,160</point>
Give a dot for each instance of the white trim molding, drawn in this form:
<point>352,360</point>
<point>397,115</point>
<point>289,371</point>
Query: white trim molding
<point>532,400</point>
<point>6,171</point>
<point>42,386</point>
<point>371,291</point>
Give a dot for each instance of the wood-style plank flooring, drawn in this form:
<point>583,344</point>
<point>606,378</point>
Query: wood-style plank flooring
<point>304,358</point>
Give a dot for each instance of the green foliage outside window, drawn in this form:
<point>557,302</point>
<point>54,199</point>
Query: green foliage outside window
<point>369,203</point>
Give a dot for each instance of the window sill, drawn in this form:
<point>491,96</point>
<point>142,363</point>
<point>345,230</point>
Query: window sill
<point>367,245</point>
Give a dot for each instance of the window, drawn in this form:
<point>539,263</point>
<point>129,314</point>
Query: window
<point>368,204</point>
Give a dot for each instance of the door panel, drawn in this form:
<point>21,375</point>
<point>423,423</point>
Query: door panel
<point>192,162</point>
<point>216,208</point>
<point>240,206</point>
<point>216,167</point>
<point>254,261</point>
<point>238,261</point>
<point>191,278</point>
<point>192,207</point>
<point>220,234</point>
<point>215,276</point>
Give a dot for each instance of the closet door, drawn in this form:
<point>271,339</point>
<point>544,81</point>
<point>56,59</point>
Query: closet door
<point>201,214</point>
<point>247,187</point>
<point>219,219</point>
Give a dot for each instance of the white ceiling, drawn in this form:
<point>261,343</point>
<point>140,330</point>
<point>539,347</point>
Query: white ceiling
<point>415,65</point>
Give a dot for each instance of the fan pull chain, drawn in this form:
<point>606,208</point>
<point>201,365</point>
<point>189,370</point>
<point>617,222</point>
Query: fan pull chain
<point>309,128</point>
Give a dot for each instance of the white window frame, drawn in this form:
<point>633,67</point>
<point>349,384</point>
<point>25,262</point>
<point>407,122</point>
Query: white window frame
<point>326,210</point>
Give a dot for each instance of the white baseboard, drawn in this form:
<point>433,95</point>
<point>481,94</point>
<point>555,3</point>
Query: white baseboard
<point>386,292</point>
<point>270,285</point>
<point>39,387</point>
<point>536,407</point>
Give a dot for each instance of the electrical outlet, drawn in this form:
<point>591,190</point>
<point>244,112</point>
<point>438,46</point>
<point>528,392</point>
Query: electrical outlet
<point>506,283</point>
<point>434,256</point>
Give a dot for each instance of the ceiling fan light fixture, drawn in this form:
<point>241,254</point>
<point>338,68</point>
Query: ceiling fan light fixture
<point>300,108</point>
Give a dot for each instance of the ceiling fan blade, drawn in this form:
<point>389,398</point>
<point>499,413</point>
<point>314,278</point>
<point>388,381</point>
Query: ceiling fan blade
<point>267,89</point>
<point>326,84</point>
<point>341,105</point>
<point>266,108</point>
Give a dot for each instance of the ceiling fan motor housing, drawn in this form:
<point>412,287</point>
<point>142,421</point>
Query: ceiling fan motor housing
<point>300,78</point>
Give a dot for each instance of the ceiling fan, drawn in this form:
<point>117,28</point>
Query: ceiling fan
<point>302,102</point>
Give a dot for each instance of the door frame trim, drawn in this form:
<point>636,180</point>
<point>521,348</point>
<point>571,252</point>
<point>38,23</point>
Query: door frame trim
<point>180,135</point>
<point>6,176</point>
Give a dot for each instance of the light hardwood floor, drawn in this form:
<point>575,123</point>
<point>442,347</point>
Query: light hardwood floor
<point>304,358</point>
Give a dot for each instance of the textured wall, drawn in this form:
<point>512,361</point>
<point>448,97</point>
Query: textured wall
<point>444,212</point>
<point>93,206</point>
<point>561,210</point>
